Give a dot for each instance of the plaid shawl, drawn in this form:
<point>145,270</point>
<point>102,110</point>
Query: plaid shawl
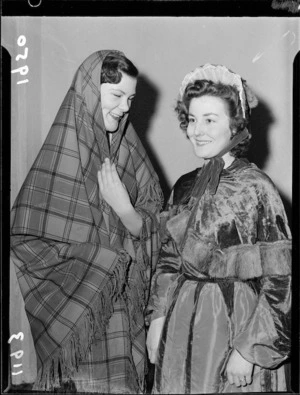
<point>72,254</point>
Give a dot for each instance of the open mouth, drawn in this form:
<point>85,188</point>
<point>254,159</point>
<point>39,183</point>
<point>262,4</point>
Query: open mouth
<point>116,117</point>
<point>202,143</point>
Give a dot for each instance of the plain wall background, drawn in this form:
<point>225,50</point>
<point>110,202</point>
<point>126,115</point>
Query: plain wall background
<point>164,49</point>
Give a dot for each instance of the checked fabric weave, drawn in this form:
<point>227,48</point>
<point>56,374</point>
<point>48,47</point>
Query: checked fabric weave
<point>83,277</point>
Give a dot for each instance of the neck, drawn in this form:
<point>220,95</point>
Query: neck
<point>228,159</point>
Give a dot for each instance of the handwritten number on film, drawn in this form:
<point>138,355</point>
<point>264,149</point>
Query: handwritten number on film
<point>18,354</point>
<point>23,70</point>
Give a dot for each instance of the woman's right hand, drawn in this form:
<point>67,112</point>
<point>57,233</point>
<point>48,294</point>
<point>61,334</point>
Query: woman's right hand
<point>112,189</point>
<point>153,337</point>
<point>239,371</point>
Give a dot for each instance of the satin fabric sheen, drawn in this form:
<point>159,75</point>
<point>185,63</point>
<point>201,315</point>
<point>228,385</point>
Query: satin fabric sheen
<point>227,288</point>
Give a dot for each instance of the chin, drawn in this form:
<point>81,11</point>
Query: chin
<point>202,155</point>
<point>111,129</point>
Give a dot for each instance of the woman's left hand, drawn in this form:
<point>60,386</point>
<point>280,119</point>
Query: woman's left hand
<point>112,189</point>
<point>239,370</point>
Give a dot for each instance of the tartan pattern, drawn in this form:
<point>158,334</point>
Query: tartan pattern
<point>75,261</point>
<point>106,358</point>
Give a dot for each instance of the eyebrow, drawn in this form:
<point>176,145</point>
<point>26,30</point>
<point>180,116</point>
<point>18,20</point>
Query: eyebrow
<point>205,115</point>
<point>120,90</point>
<point>211,113</point>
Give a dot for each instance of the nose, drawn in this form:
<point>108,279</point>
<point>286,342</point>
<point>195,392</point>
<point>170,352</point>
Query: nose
<point>124,105</point>
<point>199,129</point>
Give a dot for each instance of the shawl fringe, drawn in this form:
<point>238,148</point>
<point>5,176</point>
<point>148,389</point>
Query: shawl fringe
<point>65,362</point>
<point>136,288</point>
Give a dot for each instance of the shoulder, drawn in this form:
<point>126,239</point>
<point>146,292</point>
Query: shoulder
<point>256,177</point>
<point>255,182</point>
<point>131,137</point>
<point>186,178</point>
<point>183,186</point>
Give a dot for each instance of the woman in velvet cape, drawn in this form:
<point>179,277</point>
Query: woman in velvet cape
<point>221,295</point>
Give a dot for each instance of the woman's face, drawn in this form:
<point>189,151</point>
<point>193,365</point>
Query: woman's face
<point>208,128</point>
<point>116,100</point>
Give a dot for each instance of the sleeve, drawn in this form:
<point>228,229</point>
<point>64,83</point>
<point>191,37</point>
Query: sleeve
<point>265,341</point>
<point>148,203</point>
<point>167,269</point>
<point>145,248</point>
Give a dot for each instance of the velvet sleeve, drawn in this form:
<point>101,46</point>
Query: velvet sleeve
<point>265,341</point>
<point>169,263</point>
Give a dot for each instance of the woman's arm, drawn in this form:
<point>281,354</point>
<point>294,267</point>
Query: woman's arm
<point>115,194</point>
<point>265,340</point>
<point>166,274</point>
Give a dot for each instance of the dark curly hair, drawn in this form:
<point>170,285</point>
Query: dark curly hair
<point>115,63</point>
<point>230,94</point>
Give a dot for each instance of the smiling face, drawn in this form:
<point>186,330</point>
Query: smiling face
<point>116,101</point>
<point>209,127</point>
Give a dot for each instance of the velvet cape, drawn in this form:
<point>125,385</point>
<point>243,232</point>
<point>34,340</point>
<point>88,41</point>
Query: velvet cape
<point>223,284</point>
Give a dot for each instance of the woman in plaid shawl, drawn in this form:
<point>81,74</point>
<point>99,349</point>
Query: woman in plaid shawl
<point>84,236</point>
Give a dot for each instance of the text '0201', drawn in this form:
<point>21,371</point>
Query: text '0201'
<point>24,69</point>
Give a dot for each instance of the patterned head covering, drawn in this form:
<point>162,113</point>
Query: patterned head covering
<point>69,248</point>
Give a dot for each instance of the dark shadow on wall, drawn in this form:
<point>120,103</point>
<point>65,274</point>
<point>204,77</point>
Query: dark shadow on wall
<point>142,110</point>
<point>261,121</point>
<point>287,206</point>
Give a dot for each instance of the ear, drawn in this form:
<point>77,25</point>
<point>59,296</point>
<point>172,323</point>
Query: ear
<point>233,132</point>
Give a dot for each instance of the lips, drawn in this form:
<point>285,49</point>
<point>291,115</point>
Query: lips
<point>116,117</point>
<point>202,142</point>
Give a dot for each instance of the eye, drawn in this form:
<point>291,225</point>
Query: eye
<point>209,120</point>
<point>116,95</point>
<point>191,120</point>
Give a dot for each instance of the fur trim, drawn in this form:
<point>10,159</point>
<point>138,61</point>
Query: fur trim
<point>244,261</point>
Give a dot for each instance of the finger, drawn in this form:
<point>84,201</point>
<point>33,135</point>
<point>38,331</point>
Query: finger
<point>107,163</point>
<point>243,381</point>
<point>230,378</point>
<point>108,171</point>
<point>248,379</point>
<point>100,180</point>
<point>151,356</point>
<point>105,173</point>
<point>237,381</point>
<point>114,173</point>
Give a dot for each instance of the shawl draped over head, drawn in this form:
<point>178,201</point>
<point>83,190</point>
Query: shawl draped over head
<point>71,252</point>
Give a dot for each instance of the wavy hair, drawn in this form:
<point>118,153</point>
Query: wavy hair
<point>114,65</point>
<point>230,95</point>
